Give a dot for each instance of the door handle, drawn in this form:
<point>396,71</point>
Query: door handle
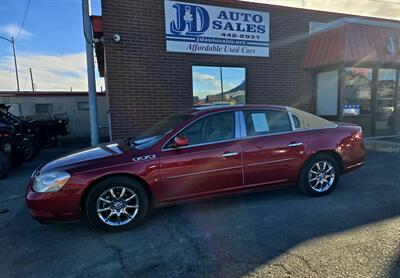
<point>228,154</point>
<point>294,144</point>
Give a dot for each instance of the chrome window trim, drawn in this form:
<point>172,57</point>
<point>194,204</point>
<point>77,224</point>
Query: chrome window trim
<point>291,120</point>
<point>163,148</point>
<point>243,132</point>
<point>237,125</point>
<point>242,128</point>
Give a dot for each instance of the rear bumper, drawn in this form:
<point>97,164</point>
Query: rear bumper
<point>354,158</point>
<point>54,206</point>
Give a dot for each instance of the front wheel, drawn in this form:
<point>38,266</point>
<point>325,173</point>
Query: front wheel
<point>319,175</point>
<point>116,204</point>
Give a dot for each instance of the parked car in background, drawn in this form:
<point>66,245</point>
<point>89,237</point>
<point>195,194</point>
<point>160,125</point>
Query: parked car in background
<point>200,153</point>
<point>26,134</point>
<point>6,149</point>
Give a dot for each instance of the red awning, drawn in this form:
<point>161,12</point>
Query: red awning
<point>354,43</point>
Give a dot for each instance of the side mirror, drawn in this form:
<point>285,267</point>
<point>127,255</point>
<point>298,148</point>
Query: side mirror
<point>180,141</point>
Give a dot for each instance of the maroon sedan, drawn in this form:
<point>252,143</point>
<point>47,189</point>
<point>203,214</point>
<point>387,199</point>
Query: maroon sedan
<point>197,154</point>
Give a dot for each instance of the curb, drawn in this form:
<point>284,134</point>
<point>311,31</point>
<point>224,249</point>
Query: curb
<point>382,146</point>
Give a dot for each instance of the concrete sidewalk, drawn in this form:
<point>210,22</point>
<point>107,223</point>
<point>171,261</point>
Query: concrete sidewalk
<point>383,144</point>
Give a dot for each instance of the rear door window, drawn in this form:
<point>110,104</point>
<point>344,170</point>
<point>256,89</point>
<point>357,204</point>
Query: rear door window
<point>263,122</point>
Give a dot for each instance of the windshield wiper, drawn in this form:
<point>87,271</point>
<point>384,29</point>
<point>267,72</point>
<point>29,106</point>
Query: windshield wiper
<point>131,141</point>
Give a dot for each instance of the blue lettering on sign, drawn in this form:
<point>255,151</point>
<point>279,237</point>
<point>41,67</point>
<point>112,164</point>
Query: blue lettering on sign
<point>194,20</point>
<point>190,20</point>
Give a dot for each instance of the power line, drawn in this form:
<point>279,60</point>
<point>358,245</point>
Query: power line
<point>23,20</point>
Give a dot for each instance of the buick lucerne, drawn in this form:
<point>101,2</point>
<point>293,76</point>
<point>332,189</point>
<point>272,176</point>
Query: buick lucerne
<point>200,153</point>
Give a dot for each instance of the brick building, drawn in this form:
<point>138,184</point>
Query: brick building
<point>160,57</point>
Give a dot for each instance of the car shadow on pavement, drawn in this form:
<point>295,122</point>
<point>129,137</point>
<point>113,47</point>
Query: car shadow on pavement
<point>272,233</point>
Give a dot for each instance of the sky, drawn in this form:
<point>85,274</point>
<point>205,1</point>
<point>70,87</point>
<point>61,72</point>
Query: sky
<point>207,80</point>
<point>52,44</point>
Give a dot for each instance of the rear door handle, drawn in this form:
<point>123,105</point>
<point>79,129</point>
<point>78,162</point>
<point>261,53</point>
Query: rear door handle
<point>294,144</point>
<point>228,154</point>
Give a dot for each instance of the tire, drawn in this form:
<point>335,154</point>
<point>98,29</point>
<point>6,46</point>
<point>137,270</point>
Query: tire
<point>5,165</point>
<point>315,184</point>
<point>107,219</point>
<point>28,149</point>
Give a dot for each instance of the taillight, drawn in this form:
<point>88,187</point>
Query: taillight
<point>358,135</point>
<point>3,134</point>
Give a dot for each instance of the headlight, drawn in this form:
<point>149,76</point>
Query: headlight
<point>50,182</point>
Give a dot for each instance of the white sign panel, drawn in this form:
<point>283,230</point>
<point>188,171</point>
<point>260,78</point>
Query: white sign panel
<point>194,28</point>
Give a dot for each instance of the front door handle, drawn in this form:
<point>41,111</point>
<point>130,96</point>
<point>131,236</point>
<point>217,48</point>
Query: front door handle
<point>228,154</point>
<point>294,144</point>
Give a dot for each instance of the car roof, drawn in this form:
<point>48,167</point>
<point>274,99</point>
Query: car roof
<point>200,110</point>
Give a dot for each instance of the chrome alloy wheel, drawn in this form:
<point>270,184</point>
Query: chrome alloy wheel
<point>117,206</point>
<point>321,176</point>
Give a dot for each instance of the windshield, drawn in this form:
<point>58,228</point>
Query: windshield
<point>154,134</point>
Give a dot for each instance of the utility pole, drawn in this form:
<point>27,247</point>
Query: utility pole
<point>33,85</point>
<point>15,62</point>
<point>12,41</point>
<point>87,32</point>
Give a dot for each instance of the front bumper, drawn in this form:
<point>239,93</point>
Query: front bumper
<point>63,205</point>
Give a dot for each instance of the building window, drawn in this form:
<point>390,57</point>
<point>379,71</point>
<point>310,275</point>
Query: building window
<point>218,85</point>
<point>83,106</point>
<point>357,91</point>
<point>43,108</point>
<point>385,101</point>
<point>327,93</point>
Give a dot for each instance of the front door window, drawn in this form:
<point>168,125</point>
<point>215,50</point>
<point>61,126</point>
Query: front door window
<point>385,102</point>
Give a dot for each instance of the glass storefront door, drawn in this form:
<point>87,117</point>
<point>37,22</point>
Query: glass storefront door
<point>385,102</point>
<point>357,98</point>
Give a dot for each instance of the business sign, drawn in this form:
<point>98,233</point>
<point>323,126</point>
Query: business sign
<point>194,28</point>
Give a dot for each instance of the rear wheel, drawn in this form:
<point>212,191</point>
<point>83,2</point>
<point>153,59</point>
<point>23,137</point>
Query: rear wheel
<point>5,164</point>
<point>319,175</point>
<point>117,204</point>
<point>28,148</point>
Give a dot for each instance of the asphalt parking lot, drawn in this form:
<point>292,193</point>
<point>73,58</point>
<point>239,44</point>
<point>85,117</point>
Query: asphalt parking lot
<point>354,232</point>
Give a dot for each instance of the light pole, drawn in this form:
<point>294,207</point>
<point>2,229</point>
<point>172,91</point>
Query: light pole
<point>88,35</point>
<point>12,41</point>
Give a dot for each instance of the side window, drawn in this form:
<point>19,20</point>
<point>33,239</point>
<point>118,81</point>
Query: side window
<point>213,128</point>
<point>296,121</point>
<point>266,122</point>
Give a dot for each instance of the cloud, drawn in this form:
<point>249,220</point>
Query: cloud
<point>50,72</point>
<point>207,82</point>
<point>11,30</point>
<point>198,76</point>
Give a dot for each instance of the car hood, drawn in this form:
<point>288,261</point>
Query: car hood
<point>88,156</point>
